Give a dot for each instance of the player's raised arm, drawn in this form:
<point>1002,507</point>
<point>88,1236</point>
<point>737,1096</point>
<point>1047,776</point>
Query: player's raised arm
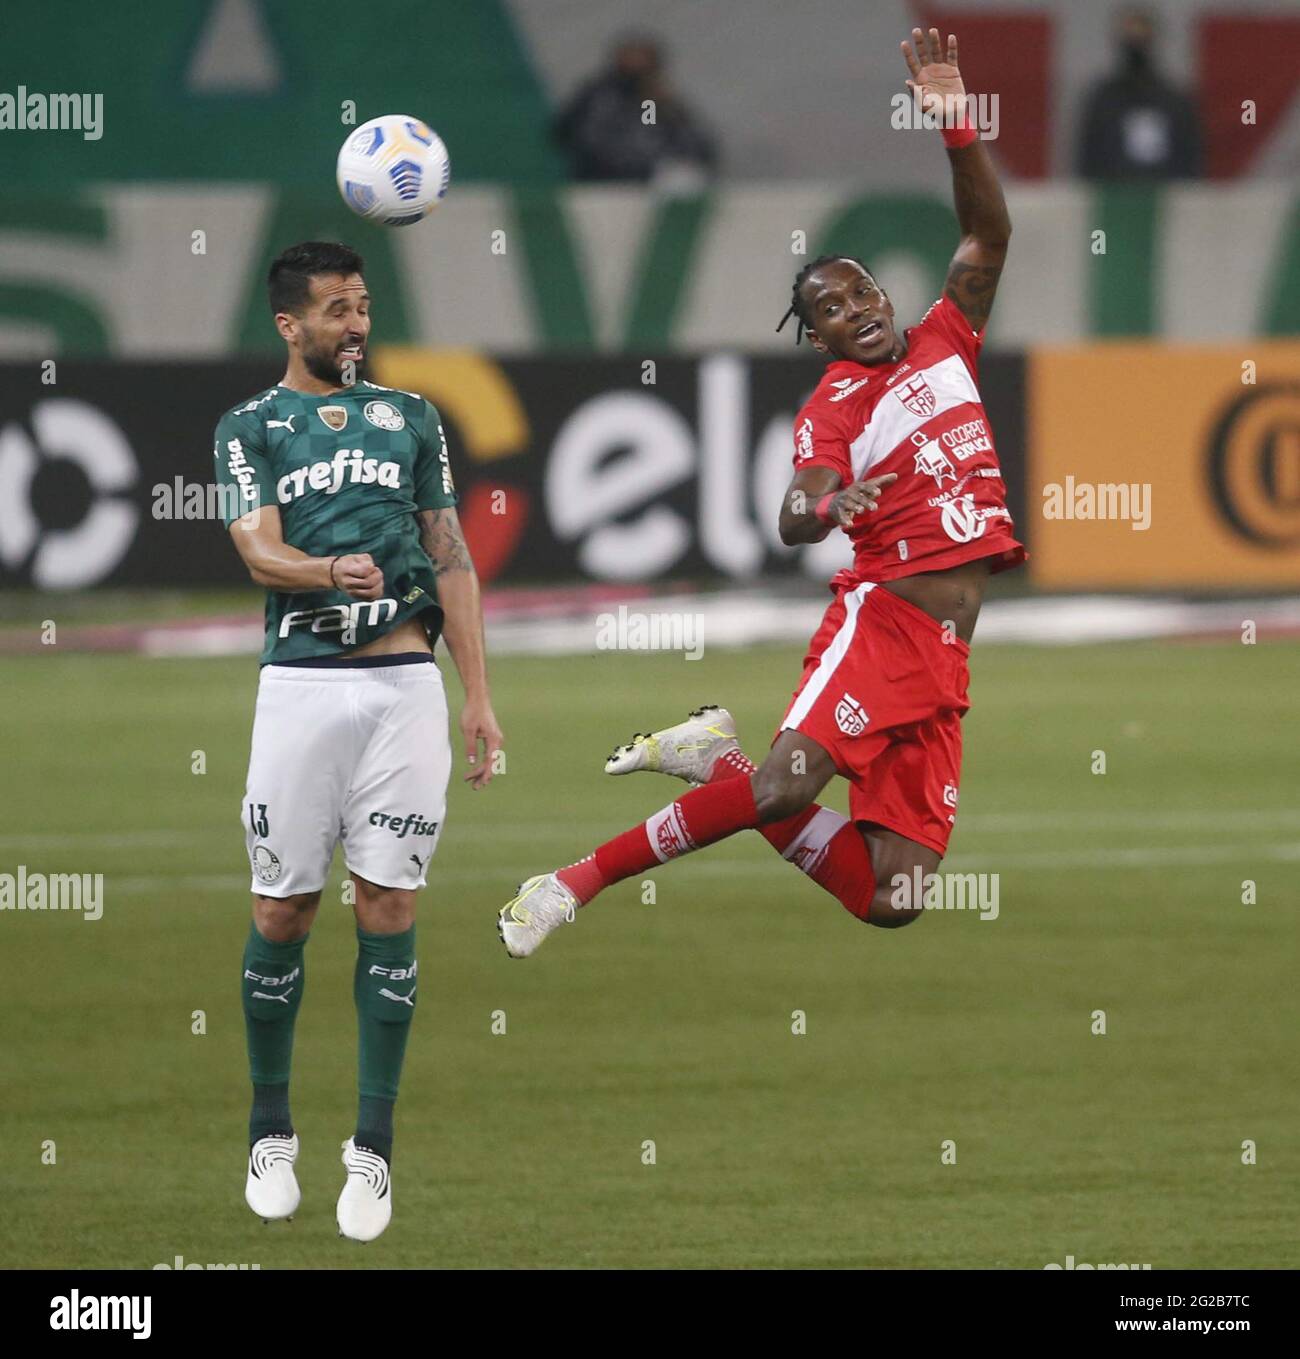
<point>462,630</point>
<point>977,196</point>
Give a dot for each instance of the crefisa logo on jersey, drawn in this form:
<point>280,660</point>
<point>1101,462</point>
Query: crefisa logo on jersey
<point>918,396</point>
<point>381,414</point>
<point>850,716</point>
<point>348,466</point>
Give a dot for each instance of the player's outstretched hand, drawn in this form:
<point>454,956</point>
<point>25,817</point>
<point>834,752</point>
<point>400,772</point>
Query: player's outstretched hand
<point>858,496</point>
<point>478,724</point>
<point>358,576</point>
<point>935,81</point>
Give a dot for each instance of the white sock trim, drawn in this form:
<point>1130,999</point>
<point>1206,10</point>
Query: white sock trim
<point>815,836</point>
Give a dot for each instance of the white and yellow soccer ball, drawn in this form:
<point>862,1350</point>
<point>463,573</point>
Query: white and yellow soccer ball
<point>393,170</point>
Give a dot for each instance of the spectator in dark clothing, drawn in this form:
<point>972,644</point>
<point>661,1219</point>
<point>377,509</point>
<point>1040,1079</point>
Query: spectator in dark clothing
<point>1136,125</point>
<point>626,124</point>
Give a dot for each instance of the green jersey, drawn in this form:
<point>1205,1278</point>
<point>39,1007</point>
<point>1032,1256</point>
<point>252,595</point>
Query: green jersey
<point>347,472</point>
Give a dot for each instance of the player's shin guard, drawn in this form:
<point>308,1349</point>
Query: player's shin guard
<point>271,985</point>
<point>698,818</point>
<point>826,846</point>
<point>384,989</point>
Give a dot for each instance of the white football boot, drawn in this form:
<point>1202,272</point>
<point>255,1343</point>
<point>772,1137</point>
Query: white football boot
<point>538,906</point>
<point>366,1203</point>
<point>271,1189</point>
<point>687,751</point>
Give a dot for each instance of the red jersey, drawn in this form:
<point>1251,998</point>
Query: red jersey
<point>922,418</point>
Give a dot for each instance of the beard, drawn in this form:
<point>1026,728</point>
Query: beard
<point>325,365</point>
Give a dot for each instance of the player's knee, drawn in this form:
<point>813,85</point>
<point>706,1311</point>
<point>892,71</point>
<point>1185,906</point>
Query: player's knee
<point>383,910</point>
<point>281,920</point>
<point>888,910</point>
<point>777,798</point>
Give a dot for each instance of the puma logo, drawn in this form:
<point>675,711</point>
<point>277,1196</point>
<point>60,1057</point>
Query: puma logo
<point>392,995</point>
<point>420,863</point>
<point>266,995</point>
<point>283,424</point>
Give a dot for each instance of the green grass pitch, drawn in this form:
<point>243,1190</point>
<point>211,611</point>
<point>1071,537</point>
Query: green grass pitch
<point>671,1023</point>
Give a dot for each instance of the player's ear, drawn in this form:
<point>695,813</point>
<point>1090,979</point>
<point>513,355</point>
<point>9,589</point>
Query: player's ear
<point>816,341</point>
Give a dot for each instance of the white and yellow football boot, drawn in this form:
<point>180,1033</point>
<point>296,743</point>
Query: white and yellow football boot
<point>539,905</point>
<point>687,751</point>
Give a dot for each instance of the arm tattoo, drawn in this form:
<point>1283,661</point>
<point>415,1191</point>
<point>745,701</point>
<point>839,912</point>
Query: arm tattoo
<point>985,224</point>
<point>971,287</point>
<point>443,543</point>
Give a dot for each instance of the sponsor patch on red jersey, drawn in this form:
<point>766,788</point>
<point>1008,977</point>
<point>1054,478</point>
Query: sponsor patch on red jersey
<point>921,418</point>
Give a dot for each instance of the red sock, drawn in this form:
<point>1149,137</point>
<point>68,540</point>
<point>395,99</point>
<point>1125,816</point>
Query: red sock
<point>826,846</point>
<point>842,865</point>
<point>779,834</point>
<point>698,818</point>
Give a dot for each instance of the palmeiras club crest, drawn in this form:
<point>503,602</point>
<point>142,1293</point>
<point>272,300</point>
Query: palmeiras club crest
<point>918,396</point>
<point>266,863</point>
<point>383,415</point>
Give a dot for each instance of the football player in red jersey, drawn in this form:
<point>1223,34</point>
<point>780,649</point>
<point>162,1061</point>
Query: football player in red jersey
<point>893,448</point>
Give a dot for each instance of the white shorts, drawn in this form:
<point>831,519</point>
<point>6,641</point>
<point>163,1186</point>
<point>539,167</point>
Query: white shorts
<point>355,754</point>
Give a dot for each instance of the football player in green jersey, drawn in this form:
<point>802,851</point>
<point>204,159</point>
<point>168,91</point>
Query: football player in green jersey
<point>339,498</point>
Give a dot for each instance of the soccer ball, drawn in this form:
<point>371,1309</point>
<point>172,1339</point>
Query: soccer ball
<point>393,170</point>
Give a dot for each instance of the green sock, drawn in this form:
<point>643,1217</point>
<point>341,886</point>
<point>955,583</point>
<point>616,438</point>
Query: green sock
<point>384,990</point>
<point>271,984</point>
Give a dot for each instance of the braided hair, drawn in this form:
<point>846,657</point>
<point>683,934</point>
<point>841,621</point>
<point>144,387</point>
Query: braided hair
<point>798,308</point>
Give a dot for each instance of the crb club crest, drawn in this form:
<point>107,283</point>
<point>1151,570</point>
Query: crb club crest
<point>850,716</point>
<point>334,416</point>
<point>918,396</point>
<point>671,837</point>
<point>932,461</point>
